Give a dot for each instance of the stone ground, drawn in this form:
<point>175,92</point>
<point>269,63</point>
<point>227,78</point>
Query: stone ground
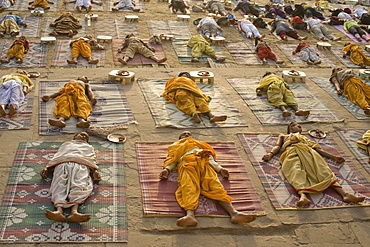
<point>333,227</point>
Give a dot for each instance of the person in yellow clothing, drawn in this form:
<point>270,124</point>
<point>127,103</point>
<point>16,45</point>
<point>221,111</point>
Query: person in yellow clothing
<point>187,96</point>
<point>17,50</point>
<point>71,101</point>
<point>195,162</point>
<point>22,77</point>
<point>304,167</point>
<point>364,143</point>
<point>356,55</point>
<point>279,94</point>
<point>348,84</point>
<point>200,45</point>
<point>83,47</point>
<point>40,3</point>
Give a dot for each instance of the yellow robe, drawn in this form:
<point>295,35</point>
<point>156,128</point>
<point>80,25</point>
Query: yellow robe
<point>365,141</point>
<point>195,175</point>
<point>357,91</point>
<point>303,167</point>
<point>23,79</point>
<point>9,25</point>
<point>185,93</point>
<point>17,51</point>
<point>80,47</point>
<point>40,3</point>
<point>72,101</point>
<point>199,46</point>
<point>357,56</point>
<point>278,92</point>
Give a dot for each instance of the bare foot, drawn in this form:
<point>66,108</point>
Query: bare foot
<point>162,60</point>
<point>286,114</point>
<point>56,215</point>
<point>240,218</point>
<point>71,61</point>
<point>187,221</point>
<point>353,198</point>
<point>196,117</point>
<point>79,218</point>
<point>218,119</point>
<point>367,111</point>
<point>93,61</point>
<point>57,122</point>
<point>122,61</point>
<point>83,124</point>
<point>2,112</point>
<point>302,113</point>
<point>303,202</point>
<point>11,110</point>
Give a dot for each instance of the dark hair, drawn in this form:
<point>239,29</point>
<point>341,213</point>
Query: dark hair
<point>267,73</point>
<point>184,74</point>
<point>288,130</point>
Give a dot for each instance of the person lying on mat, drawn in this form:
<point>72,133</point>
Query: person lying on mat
<point>86,4</point>
<point>187,96</point>
<point>177,5</point>
<point>83,46</point>
<point>125,5</point>
<point>17,50</point>
<point>40,3</point>
<point>13,89</point>
<point>283,29</point>
<point>348,84</point>
<point>356,55</point>
<point>135,45</point>
<point>200,45</point>
<point>307,53</point>
<point>247,28</point>
<point>74,172</point>
<point>5,4</point>
<point>304,167</point>
<point>248,8</point>
<point>71,101</point>
<point>264,52</point>
<point>10,24</point>
<point>362,14</point>
<point>66,24</point>
<point>279,94</point>
<point>209,27</point>
<point>320,30</point>
<point>352,27</point>
<point>197,174</point>
<point>216,7</point>
<point>364,143</point>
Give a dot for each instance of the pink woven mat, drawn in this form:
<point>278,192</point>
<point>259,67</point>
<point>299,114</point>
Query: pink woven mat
<point>159,196</point>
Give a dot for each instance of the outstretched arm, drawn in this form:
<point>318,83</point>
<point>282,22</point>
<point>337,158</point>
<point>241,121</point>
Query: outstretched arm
<point>336,85</point>
<point>223,172</point>
<point>330,156</point>
<point>96,176</point>
<point>46,98</point>
<point>267,157</point>
<point>90,94</point>
<point>166,171</point>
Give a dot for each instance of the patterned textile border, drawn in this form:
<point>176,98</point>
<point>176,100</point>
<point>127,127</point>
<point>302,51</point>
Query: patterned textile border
<point>33,27</point>
<point>337,51</point>
<point>35,57</point>
<point>354,109</point>
<point>22,118</point>
<point>350,137</point>
<point>26,198</point>
<point>138,58</point>
<point>179,29</point>
<point>159,196</point>
<point>282,194</point>
<point>287,49</point>
<point>341,28</point>
<point>267,114</point>
<point>167,115</point>
<point>183,52</point>
<point>138,4</point>
<point>112,108</point>
<point>47,29</point>
<point>71,7</point>
<point>63,52</point>
<point>104,26</point>
<point>23,5</point>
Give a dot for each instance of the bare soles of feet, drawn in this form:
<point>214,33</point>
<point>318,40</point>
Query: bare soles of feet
<point>217,119</point>
<point>286,114</point>
<point>79,218</point>
<point>196,117</point>
<point>302,113</point>
<point>303,202</point>
<point>186,221</point>
<point>353,198</point>
<point>11,110</point>
<point>57,123</point>
<point>240,218</point>
<point>83,124</point>
<point>2,112</point>
<point>56,215</point>
<point>122,61</point>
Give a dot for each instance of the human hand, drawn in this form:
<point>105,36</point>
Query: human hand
<point>24,24</point>
<point>259,92</point>
<point>164,174</point>
<point>96,176</point>
<point>25,92</point>
<point>224,173</point>
<point>93,101</point>
<point>267,157</point>
<point>44,173</point>
<point>45,98</point>
<point>339,92</point>
<point>293,52</point>
<point>344,55</point>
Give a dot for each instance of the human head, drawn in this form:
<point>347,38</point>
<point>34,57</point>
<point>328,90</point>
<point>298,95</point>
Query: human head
<point>21,71</point>
<point>347,10</point>
<point>83,78</point>
<point>335,70</point>
<point>81,136</point>
<point>185,134</point>
<point>294,127</point>
<point>130,35</point>
<point>22,38</point>
<point>184,74</point>
<point>267,73</point>
<point>347,43</point>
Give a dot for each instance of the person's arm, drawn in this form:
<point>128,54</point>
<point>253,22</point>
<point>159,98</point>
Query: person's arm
<point>124,45</point>
<point>95,175</point>
<point>44,172</point>
<point>323,153</point>
<point>147,46</point>
<point>336,84</point>
<point>223,172</point>
<point>166,171</point>
<point>90,94</point>
<point>46,98</point>
<point>267,157</point>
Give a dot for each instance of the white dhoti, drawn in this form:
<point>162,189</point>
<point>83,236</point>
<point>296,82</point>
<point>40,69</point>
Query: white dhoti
<point>11,93</point>
<point>71,185</point>
<point>83,3</point>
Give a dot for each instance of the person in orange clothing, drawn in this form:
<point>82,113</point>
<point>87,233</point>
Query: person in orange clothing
<point>264,52</point>
<point>195,162</point>
<point>83,47</point>
<point>17,50</point>
<point>40,3</point>
<point>356,55</point>
<point>71,101</point>
<point>348,84</point>
<point>187,96</point>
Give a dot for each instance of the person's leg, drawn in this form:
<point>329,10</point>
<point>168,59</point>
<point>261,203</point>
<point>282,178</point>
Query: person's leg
<point>316,30</point>
<point>2,111</point>
<point>303,200</point>
<point>56,215</point>
<point>77,217</point>
<point>275,97</point>
<point>185,102</point>
<point>283,35</point>
<point>75,53</point>
<point>188,220</point>
<point>348,197</point>
<point>236,217</point>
